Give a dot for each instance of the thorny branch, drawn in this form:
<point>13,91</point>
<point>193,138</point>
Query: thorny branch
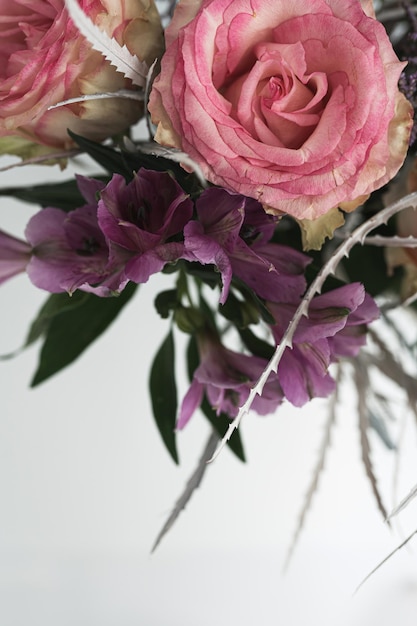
<point>343,250</point>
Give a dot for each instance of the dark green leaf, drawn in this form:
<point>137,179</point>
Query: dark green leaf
<point>206,273</point>
<point>219,422</point>
<point>187,181</point>
<point>164,393</point>
<point>73,328</point>
<point>241,312</point>
<point>166,301</point>
<point>332,282</point>
<point>65,196</point>
<point>255,345</point>
<point>367,265</point>
<point>56,304</point>
<point>252,298</point>
<point>206,309</point>
<point>193,358</point>
<point>182,285</point>
<point>125,163</point>
<point>109,158</point>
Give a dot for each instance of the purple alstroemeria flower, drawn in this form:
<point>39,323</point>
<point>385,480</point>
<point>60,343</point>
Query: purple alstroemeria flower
<point>64,251</point>
<point>226,377</point>
<point>69,250</point>
<point>232,232</point>
<point>321,339</point>
<point>14,256</point>
<point>140,217</point>
<point>102,245</point>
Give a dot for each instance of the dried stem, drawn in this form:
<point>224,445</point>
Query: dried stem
<point>122,93</point>
<point>362,386</point>
<point>385,560</point>
<point>392,242</point>
<point>44,158</point>
<point>193,482</point>
<point>331,418</point>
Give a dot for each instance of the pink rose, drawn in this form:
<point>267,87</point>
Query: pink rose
<point>45,60</point>
<point>292,103</point>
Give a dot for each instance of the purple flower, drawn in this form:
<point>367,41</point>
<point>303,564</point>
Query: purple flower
<point>142,220</point>
<point>102,245</point>
<point>69,250</point>
<point>64,251</point>
<point>349,340</point>
<point>226,377</point>
<point>232,232</point>
<point>329,332</point>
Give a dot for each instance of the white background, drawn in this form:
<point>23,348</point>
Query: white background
<point>85,485</point>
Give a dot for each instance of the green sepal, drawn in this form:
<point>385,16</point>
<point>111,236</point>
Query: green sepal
<point>163,391</point>
<point>70,324</point>
<point>189,319</point>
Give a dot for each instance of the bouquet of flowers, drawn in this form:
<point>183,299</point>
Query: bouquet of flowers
<point>274,180</point>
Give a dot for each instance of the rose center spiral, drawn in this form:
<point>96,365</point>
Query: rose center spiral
<point>277,101</point>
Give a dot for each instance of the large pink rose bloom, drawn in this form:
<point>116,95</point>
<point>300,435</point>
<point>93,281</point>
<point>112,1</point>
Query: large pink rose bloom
<point>45,60</point>
<point>292,103</point>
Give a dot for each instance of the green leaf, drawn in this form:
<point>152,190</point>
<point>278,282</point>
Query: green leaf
<point>255,345</point>
<point>251,297</point>
<point>166,301</point>
<point>125,163</point>
<point>70,330</point>
<point>65,196</point>
<point>109,158</point>
<point>188,181</point>
<point>367,265</point>
<point>241,312</point>
<point>164,393</point>
<point>219,422</point>
<point>206,273</point>
<point>56,303</point>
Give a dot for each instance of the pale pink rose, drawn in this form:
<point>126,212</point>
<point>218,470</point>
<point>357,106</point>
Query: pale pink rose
<point>45,60</point>
<point>294,103</point>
